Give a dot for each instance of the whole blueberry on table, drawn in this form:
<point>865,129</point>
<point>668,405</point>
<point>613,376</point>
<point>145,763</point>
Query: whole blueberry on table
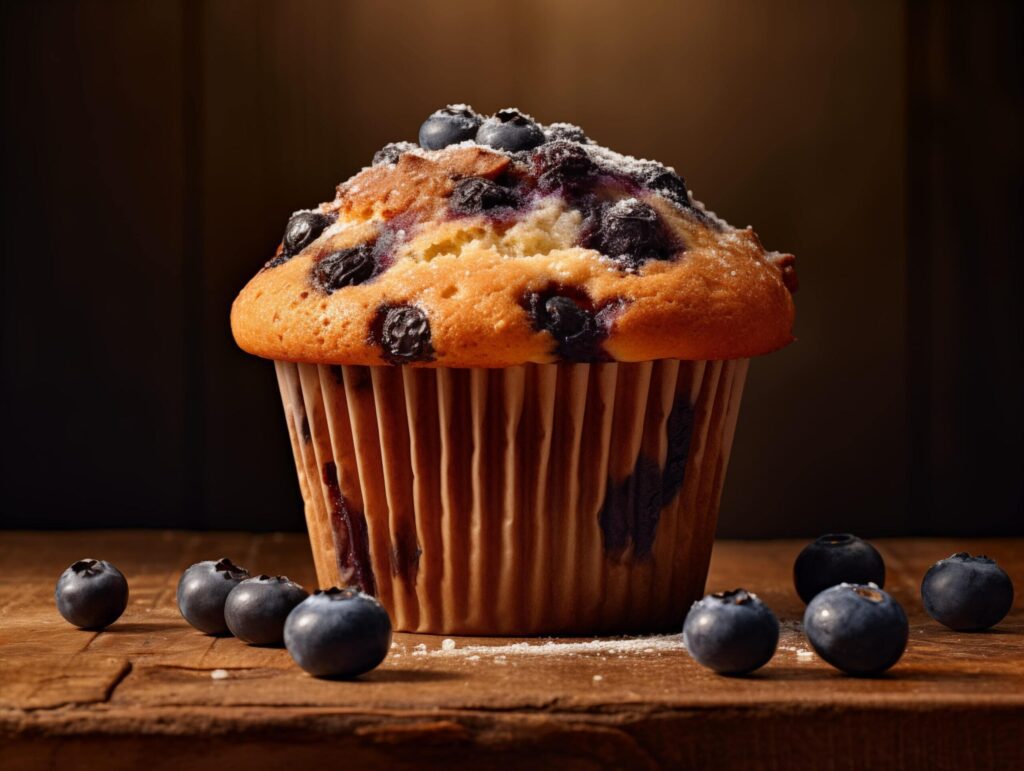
<point>256,609</point>
<point>338,633</point>
<point>836,558</point>
<point>967,593</point>
<point>202,591</point>
<point>91,594</point>
<point>732,633</point>
<point>857,628</point>
<point>448,126</point>
<point>510,130</point>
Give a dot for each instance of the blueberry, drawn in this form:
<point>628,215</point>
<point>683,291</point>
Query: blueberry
<point>510,130</point>
<point>967,593</point>
<point>474,195</point>
<point>345,267</point>
<point>664,180</point>
<point>631,233</point>
<point>304,228</point>
<point>732,633</point>
<point>203,590</point>
<point>561,163</point>
<point>91,594</point>
<point>338,633</point>
<point>835,558</point>
<point>390,153</point>
<point>256,609</point>
<point>857,628</point>
<point>449,126</point>
<point>404,334</point>
<point>576,328</point>
<point>567,131</point>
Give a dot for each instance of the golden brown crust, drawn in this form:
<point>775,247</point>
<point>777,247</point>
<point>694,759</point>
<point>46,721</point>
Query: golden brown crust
<point>721,297</point>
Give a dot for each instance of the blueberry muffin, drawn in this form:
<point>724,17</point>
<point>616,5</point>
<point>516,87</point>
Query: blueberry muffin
<point>511,361</point>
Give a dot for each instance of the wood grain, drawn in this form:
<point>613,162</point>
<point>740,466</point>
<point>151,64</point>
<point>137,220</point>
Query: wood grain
<point>141,693</point>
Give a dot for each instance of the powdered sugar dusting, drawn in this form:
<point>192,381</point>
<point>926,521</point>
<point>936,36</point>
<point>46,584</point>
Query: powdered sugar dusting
<point>608,161</point>
<point>500,654</point>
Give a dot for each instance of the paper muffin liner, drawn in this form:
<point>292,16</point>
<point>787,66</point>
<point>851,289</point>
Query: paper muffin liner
<point>539,499</point>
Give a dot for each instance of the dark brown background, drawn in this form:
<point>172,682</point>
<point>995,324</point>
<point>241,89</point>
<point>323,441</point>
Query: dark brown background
<point>152,152</point>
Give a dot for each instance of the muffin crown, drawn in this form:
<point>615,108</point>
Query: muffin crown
<point>511,242</point>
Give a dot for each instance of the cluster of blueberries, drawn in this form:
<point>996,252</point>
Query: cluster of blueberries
<point>850,621</point>
<point>330,633</point>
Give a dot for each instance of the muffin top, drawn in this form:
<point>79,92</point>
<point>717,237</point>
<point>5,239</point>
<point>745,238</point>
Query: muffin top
<point>500,241</point>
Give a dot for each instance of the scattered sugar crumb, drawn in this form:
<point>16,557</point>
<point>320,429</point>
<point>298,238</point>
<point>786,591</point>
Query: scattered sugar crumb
<point>805,655</point>
<point>219,674</point>
<point>394,644</point>
<point>615,647</point>
<point>598,678</point>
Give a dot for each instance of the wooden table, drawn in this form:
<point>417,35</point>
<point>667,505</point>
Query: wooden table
<point>152,693</point>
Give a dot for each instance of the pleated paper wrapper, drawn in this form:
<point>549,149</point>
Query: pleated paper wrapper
<point>539,499</point>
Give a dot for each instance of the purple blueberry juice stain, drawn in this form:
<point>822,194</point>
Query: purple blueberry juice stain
<point>680,431</point>
<point>632,506</point>
<point>347,519</point>
<point>303,228</point>
<point>405,555</point>
<point>631,510</point>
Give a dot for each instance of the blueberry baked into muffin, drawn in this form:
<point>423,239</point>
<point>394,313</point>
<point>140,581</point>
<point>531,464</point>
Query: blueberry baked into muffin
<point>511,362</point>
